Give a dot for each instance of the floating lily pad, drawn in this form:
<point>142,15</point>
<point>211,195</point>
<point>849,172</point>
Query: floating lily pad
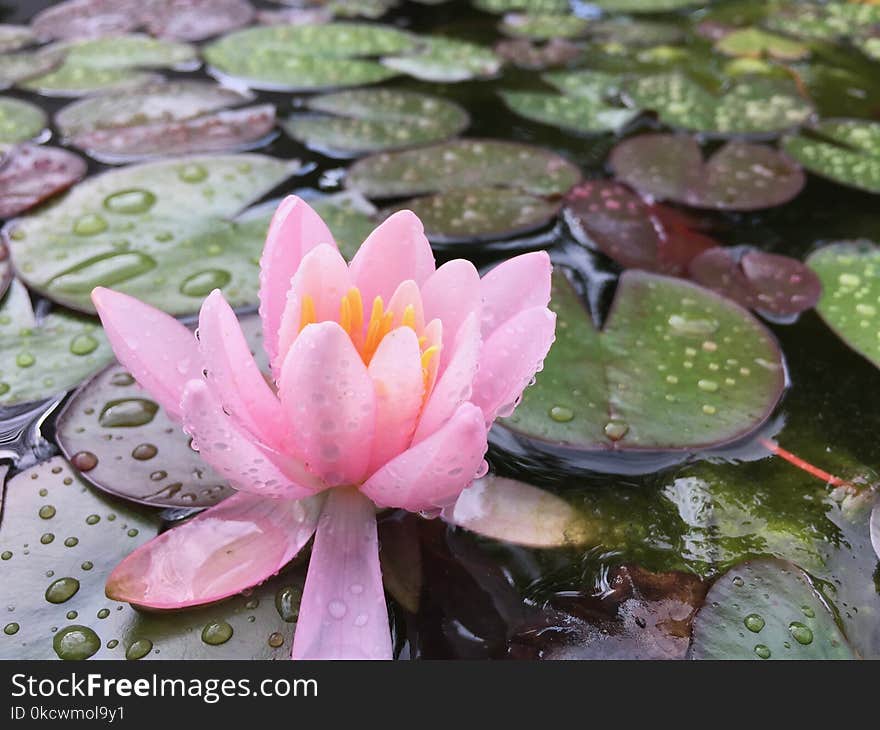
<point>824,21</point>
<point>526,54</point>
<point>543,26</point>
<point>110,64</point>
<point>528,6</point>
<point>307,57</point>
<point>195,20</point>
<point>370,120</point>
<point>756,106</point>
<point>29,174</point>
<point>13,37</point>
<point>86,19</point>
<point>463,164</point>
<point>774,285</point>
<point>446,60</point>
<point>844,150</point>
<point>349,216</point>
<point>360,8</point>
<point>631,33</point>
<point>19,120</point>
<point>644,6</point>
<point>739,176</point>
<point>124,443</point>
<point>850,303</point>
<point>40,359</point>
<point>18,67</point>
<point>675,367</point>
<point>757,43</point>
<point>608,216</point>
<point>75,536</point>
<point>766,609</point>
<point>166,232</point>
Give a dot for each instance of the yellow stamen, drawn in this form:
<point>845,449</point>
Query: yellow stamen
<point>345,314</point>
<point>427,357</point>
<point>357,309</point>
<point>307,314</point>
<point>374,330</point>
<point>409,317</point>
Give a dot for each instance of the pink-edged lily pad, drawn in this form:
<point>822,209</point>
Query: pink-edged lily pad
<point>771,284</point>
<point>739,176</point>
<point>29,174</point>
<point>195,20</point>
<point>608,216</point>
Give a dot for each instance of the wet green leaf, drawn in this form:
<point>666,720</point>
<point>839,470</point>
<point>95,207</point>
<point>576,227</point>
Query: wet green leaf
<point>824,21</point>
<point>644,6</point>
<point>19,120</point>
<point>17,67</point>
<point>528,6</point>
<point>543,26</point>
<point>446,60</point>
<point>757,43</point>
<point>349,216</point>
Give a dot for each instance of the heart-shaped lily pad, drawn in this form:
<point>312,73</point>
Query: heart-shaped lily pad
<point>446,60</point>
<point>739,176</point>
<point>18,67</point>
<point>526,54</point>
<point>110,64</point>
<point>124,443</point>
<point>766,609</point>
<point>462,164</point>
<point>13,37</point>
<point>527,6</point>
<point>29,174</point>
<point>62,539</point>
<point>844,150</point>
<point>757,43</point>
<point>675,367</point>
<point>19,120</point>
<point>307,57</point>
<point>40,359</point>
<point>850,303</point>
<point>754,106</point>
<point>774,285</point>
<point>166,232</point>
<point>359,121</point>
<point>543,26</point>
<point>608,216</point>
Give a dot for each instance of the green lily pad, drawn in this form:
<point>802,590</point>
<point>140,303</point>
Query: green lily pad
<point>360,121</point>
<point>870,47</point>
<point>824,21</point>
<point>446,60</point>
<point>75,536</point>
<point>166,232</point>
<point>755,105</point>
<point>675,367</point>
<point>844,150</point>
<point>766,609</point>
<point>40,359</point>
<point>110,64</point>
<point>18,67</point>
<point>850,303</point>
<point>462,164</point>
<point>360,8</point>
<point>307,57</point>
<point>528,6</point>
<point>757,43</point>
<point>20,120</point>
<point>644,6</point>
<point>349,216</point>
<point>630,33</point>
<point>13,37</point>
<point>543,26</point>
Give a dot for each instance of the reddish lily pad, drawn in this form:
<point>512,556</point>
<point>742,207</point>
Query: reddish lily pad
<point>773,285</point>
<point>29,174</point>
<point>195,20</point>
<point>527,54</point>
<point>674,368</point>
<point>739,176</point>
<point>608,216</point>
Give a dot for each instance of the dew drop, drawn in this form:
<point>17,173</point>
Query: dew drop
<point>62,590</point>
<point>754,622</point>
<point>762,651</point>
<point>84,460</point>
<point>128,413</point>
<point>801,633</point>
<point>83,344</point>
<point>11,629</point>
<point>90,224</point>
<point>561,414</point>
<point>47,512</point>
<point>130,202</point>
<point>287,602</point>
<point>275,640</point>
<point>216,633</point>
<point>76,643</point>
<point>138,649</point>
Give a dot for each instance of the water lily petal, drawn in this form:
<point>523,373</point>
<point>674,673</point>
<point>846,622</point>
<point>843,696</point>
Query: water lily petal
<point>223,551</point>
<point>155,348</point>
<point>343,614</point>
<point>433,473</point>
<point>328,397</point>
<point>395,251</point>
<point>517,284</point>
<point>406,295</point>
<point>248,465</point>
<point>511,356</point>
<point>294,231</point>
<point>450,294</point>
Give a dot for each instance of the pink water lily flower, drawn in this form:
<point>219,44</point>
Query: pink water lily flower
<point>386,375</point>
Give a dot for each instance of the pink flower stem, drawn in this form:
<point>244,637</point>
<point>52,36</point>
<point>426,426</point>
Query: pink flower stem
<point>806,466</point>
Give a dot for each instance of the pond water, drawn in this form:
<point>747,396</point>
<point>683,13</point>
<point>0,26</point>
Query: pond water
<point>785,557</point>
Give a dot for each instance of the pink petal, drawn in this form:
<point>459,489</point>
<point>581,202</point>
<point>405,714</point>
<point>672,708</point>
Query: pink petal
<point>159,352</point>
<point>328,397</point>
<point>233,453</point>
<point>396,370</point>
<point>510,358</point>
<point>234,375</point>
<point>395,251</point>
<point>519,283</point>
<point>294,231</point>
<point>343,614</point>
<point>237,544</point>
<point>406,295</point>
<point>455,384</point>
<point>323,276</point>
<point>433,473</point>
<point>450,294</point>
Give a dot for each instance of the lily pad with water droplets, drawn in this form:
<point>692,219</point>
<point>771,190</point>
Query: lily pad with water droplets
<point>41,358</point>
<point>527,6</point>
<point>360,121</point>
<point>446,60</point>
<point>844,150</point>
<point>757,43</point>
<point>675,367</point>
<point>766,609</point>
<point>850,303</point>
<point>75,536</point>
<point>827,21</point>
<point>739,176</point>
<point>752,106</point>
<point>14,37</point>
<point>543,26</point>
<point>19,120</point>
<point>18,67</point>
<point>30,174</point>
<point>166,232</point>
<point>307,57</point>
